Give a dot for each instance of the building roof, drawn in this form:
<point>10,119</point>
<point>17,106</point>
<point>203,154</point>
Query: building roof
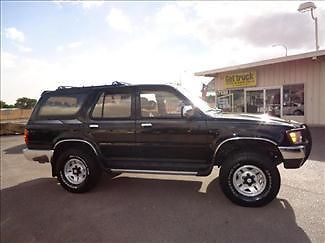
<point>213,72</point>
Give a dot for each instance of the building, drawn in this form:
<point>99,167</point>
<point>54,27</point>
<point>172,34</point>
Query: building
<point>291,87</point>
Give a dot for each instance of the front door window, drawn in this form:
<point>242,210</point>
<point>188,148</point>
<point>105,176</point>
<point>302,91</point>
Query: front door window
<point>160,104</point>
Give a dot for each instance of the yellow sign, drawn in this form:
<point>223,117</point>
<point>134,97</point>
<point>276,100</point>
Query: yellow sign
<point>238,80</point>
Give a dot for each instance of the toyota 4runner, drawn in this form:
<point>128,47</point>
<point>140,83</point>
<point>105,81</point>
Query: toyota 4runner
<point>83,131</point>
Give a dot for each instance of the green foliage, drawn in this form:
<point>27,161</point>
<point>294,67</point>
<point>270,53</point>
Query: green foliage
<point>5,105</point>
<point>25,103</point>
<point>2,104</point>
<point>22,103</point>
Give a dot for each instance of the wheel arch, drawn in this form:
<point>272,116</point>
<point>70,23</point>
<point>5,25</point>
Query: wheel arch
<point>252,144</point>
<point>80,144</point>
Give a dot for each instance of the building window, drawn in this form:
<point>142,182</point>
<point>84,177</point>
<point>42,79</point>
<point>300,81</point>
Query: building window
<point>224,100</point>
<point>231,100</point>
<point>293,100</point>
<point>238,102</point>
<point>273,101</point>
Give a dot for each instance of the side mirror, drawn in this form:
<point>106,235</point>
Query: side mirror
<point>187,111</point>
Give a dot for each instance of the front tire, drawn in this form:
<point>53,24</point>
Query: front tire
<point>250,179</point>
<point>78,171</point>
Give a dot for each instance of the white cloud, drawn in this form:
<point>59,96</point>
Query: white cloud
<point>91,4</point>
<point>86,4</point>
<point>14,34</point>
<point>8,60</point>
<point>118,20</point>
<point>76,44</point>
<point>23,48</point>
<point>236,32</point>
<point>23,76</point>
<point>172,17</point>
<point>90,67</point>
<point>72,45</point>
<point>58,3</point>
<point>171,44</point>
<point>60,48</point>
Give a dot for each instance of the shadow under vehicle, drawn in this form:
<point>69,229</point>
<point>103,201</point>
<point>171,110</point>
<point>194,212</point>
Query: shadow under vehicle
<point>126,209</point>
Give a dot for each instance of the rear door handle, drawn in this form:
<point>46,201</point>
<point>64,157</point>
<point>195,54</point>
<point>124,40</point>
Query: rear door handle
<point>93,126</point>
<point>146,125</point>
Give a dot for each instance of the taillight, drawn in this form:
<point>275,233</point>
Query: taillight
<point>26,135</point>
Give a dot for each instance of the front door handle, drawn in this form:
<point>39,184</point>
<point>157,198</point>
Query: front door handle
<point>93,126</point>
<point>146,125</point>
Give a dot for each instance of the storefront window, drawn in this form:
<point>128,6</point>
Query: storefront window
<point>223,100</point>
<point>238,105</point>
<point>293,100</point>
<point>231,100</point>
<point>272,102</point>
<point>255,101</point>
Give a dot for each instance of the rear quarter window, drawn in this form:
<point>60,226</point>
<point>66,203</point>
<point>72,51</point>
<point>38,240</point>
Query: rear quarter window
<point>61,105</point>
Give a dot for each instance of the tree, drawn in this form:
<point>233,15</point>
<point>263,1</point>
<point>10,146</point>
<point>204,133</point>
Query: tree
<point>25,103</point>
<point>5,105</point>
<point>2,104</point>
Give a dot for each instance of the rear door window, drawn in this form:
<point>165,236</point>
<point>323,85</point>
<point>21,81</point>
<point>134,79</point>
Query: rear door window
<point>113,106</point>
<point>62,105</point>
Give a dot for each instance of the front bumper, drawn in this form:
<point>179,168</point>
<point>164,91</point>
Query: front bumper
<point>42,156</point>
<point>293,156</point>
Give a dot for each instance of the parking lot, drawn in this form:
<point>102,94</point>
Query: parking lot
<point>156,208</point>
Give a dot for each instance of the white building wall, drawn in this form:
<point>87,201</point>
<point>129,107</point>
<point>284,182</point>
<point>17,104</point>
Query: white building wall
<point>308,71</point>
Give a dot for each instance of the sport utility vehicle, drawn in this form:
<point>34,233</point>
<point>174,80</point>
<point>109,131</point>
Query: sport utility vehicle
<point>159,129</point>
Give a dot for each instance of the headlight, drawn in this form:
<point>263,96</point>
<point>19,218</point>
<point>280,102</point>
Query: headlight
<point>295,137</point>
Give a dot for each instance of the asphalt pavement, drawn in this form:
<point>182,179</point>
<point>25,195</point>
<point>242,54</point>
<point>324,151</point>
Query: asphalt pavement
<point>156,208</point>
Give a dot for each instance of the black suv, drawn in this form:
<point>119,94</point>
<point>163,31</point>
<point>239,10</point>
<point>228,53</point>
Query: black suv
<point>82,131</point>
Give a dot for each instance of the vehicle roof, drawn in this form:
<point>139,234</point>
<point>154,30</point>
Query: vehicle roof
<point>72,89</point>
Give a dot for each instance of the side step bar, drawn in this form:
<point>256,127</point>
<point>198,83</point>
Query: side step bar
<point>161,172</point>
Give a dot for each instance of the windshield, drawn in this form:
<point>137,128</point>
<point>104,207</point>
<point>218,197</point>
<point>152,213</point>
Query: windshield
<point>197,101</point>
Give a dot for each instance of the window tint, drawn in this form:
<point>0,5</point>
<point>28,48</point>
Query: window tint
<point>66,105</point>
<point>160,104</point>
<point>113,106</point>
<point>98,109</point>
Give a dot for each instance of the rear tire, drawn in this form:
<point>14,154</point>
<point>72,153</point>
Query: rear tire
<point>250,179</point>
<point>77,171</point>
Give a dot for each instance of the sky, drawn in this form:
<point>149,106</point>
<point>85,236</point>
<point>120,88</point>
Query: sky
<point>46,44</point>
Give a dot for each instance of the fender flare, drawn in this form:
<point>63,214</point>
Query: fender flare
<point>240,138</point>
<point>93,148</point>
<point>76,140</point>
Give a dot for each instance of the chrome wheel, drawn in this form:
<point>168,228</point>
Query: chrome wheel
<point>249,180</point>
<point>75,171</point>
